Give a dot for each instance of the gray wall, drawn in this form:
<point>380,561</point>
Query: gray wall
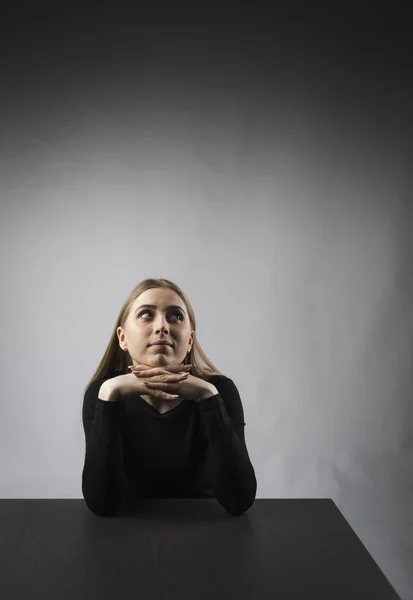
<point>264,166</point>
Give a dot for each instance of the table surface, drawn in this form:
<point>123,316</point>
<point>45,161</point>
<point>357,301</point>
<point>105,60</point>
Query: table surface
<point>184,549</point>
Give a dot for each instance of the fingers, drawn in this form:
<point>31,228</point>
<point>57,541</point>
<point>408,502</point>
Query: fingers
<point>158,387</point>
<point>170,368</point>
<point>157,393</point>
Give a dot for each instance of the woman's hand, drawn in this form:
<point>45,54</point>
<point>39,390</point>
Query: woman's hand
<point>157,381</point>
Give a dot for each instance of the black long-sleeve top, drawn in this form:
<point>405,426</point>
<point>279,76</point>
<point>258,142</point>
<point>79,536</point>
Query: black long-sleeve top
<point>194,450</point>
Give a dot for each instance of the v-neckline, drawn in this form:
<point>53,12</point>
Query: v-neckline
<point>165,414</point>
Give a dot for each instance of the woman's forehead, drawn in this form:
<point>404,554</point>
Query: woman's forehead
<point>159,298</point>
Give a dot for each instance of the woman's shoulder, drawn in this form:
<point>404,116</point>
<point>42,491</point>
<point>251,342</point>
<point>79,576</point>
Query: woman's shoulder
<point>222,382</point>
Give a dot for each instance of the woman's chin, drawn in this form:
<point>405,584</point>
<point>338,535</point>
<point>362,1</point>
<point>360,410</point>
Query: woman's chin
<point>160,360</point>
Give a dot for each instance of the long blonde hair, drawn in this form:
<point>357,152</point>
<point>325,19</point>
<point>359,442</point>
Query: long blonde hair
<point>116,361</point>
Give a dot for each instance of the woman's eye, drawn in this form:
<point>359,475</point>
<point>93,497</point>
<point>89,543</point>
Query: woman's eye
<point>150,312</point>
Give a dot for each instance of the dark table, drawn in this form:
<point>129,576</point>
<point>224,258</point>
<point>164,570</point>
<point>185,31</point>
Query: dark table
<point>186,549</point>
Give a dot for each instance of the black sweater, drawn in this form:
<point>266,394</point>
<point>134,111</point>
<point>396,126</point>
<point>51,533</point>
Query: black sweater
<point>195,450</point>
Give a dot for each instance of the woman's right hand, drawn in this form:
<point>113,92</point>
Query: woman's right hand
<point>131,384</point>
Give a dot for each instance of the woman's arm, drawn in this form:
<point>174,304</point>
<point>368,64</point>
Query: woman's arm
<point>229,467</point>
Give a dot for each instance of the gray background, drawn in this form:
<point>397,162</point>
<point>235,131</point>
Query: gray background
<point>260,160</point>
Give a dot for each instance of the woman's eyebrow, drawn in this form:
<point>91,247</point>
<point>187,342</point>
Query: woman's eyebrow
<point>154,306</point>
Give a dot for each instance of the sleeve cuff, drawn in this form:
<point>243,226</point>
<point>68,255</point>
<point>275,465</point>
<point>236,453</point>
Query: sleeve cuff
<point>106,406</point>
<point>212,403</point>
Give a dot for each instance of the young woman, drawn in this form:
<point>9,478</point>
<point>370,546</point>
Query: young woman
<point>156,419</point>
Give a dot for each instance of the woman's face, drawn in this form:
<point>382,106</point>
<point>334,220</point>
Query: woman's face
<point>167,319</point>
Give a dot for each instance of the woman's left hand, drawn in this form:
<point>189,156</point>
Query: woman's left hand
<point>191,388</point>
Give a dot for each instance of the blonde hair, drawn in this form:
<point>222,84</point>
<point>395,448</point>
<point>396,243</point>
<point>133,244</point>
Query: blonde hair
<point>116,361</point>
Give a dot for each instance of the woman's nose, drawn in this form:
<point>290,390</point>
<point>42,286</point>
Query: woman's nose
<point>161,325</point>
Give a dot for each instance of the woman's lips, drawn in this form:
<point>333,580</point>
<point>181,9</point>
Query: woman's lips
<point>161,346</point>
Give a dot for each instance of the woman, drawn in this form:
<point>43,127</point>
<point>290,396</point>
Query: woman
<point>156,419</point>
